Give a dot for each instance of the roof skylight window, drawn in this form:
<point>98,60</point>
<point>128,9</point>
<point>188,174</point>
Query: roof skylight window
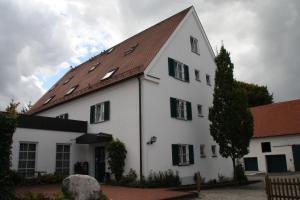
<point>109,50</point>
<point>48,100</point>
<point>109,74</point>
<point>131,49</point>
<point>94,67</point>
<point>71,90</point>
<point>68,80</point>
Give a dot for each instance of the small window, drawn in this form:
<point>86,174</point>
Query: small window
<point>197,75</point>
<point>94,67</point>
<point>109,74</point>
<point>183,154</point>
<point>99,112</point>
<point>200,111</point>
<point>208,81</point>
<point>68,80</point>
<point>27,155</point>
<point>109,50</point>
<point>71,90</point>
<point>214,150</point>
<point>266,147</point>
<point>194,45</point>
<point>48,100</point>
<point>202,151</point>
<point>179,71</point>
<point>63,116</point>
<point>62,166</point>
<point>131,49</point>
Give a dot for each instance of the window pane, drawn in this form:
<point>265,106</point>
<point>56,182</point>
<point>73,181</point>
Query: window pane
<point>66,164</point>
<point>59,148</point>
<point>30,164</point>
<point>22,164</point>
<point>58,156</point>
<point>22,155</point>
<point>31,147</point>
<point>23,147</point>
<point>66,156</point>
<point>66,148</point>
<point>58,164</point>
<point>31,155</point>
<point>30,173</point>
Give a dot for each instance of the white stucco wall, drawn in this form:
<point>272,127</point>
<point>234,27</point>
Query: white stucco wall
<point>123,123</point>
<point>279,145</point>
<point>46,147</point>
<point>156,108</point>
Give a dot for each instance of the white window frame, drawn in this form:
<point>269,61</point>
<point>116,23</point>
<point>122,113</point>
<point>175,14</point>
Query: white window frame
<point>60,169</point>
<point>179,70</point>
<point>71,90</point>
<point>208,79</point>
<point>26,160</point>
<point>48,100</point>
<point>181,109</point>
<point>194,45</point>
<point>197,75</point>
<point>214,150</point>
<point>200,110</point>
<point>99,112</point>
<point>202,151</point>
<point>183,154</point>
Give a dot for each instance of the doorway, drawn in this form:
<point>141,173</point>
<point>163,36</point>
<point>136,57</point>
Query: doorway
<point>100,163</point>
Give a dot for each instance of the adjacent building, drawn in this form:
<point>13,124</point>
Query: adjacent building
<point>151,91</point>
<point>275,146</point>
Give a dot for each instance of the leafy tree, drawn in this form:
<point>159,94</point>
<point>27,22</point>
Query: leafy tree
<point>232,122</point>
<point>116,158</point>
<point>257,95</point>
<point>7,128</point>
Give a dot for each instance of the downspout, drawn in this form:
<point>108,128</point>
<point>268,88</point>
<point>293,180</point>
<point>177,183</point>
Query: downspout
<point>140,129</point>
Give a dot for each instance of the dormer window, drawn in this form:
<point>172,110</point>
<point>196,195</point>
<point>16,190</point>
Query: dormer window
<point>48,100</point>
<point>71,90</point>
<point>94,67</point>
<point>194,45</point>
<point>68,80</point>
<point>109,74</point>
<point>110,50</point>
<point>131,49</point>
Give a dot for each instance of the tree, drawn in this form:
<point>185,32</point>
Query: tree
<point>7,128</point>
<point>26,108</point>
<point>257,95</point>
<point>116,158</point>
<point>231,120</point>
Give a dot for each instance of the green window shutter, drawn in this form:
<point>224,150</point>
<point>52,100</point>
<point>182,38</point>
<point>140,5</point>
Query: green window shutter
<point>171,67</point>
<point>189,110</point>
<point>106,110</point>
<point>186,73</point>
<point>92,114</point>
<point>175,154</point>
<point>191,154</point>
<point>173,106</point>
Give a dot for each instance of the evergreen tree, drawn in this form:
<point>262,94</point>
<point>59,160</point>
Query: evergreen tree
<point>232,122</point>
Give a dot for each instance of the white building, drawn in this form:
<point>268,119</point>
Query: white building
<point>275,146</point>
<point>152,91</point>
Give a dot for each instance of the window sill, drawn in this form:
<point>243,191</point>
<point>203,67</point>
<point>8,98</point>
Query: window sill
<point>186,164</point>
<point>196,53</point>
<point>201,116</point>
<point>198,80</point>
<point>204,156</point>
<point>180,79</point>
<point>182,119</point>
<point>214,156</point>
<point>99,122</point>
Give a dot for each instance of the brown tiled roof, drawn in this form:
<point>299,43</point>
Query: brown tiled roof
<point>148,42</point>
<point>277,119</point>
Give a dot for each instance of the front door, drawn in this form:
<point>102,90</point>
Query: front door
<point>100,163</point>
<point>296,153</point>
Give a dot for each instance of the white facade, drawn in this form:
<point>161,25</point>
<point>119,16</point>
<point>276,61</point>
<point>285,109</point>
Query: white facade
<point>280,145</point>
<point>156,89</point>
<point>46,147</point>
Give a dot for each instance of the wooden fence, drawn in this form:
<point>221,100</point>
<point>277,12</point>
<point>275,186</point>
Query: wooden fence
<point>282,188</point>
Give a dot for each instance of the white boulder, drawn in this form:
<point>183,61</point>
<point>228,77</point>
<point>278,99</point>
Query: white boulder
<point>81,187</point>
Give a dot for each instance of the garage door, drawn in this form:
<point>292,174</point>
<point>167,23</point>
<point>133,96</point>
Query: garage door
<point>276,163</point>
<point>251,164</point>
<point>296,154</point>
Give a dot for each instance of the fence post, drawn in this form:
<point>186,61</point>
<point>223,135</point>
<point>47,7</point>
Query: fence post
<point>267,187</point>
<point>198,178</point>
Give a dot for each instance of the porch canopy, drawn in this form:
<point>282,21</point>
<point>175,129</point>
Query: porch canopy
<point>89,138</point>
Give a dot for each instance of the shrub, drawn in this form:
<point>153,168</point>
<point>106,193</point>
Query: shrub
<point>223,179</point>
<point>116,158</point>
<point>130,179</point>
<point>162,179</point>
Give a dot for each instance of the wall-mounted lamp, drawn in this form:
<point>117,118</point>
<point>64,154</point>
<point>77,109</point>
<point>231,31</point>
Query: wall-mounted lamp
<point>152,140</point>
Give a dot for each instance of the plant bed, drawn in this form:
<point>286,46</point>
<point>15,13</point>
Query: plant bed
<point>215,185</point>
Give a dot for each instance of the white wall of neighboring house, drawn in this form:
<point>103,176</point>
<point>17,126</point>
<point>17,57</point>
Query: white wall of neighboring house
<point>46,147</point>
<point>279,145</point>
<point>124,117</point>
<point>157,120</point>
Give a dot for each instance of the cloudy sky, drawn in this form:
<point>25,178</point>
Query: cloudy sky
<point>41,39</point>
